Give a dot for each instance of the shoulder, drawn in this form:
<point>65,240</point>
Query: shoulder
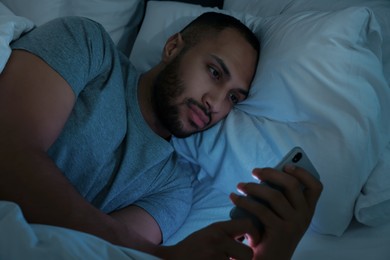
<point>79,26</point>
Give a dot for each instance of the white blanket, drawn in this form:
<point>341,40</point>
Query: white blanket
<point>11,27</point>
<point>21,240</point>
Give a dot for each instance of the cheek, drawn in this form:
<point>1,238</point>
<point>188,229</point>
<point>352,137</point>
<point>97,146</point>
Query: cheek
<point>223,112</point>
<point>192,89</point>
<point>196,81</point>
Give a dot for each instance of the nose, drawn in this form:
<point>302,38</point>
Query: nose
<point>214,100</point>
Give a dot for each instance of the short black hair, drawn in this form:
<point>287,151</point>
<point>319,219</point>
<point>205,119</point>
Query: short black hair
<point>211,23</point>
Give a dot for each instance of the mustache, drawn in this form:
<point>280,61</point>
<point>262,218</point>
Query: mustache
<point>191,101</point>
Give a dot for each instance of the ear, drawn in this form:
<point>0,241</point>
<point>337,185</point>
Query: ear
<point>172,47</point>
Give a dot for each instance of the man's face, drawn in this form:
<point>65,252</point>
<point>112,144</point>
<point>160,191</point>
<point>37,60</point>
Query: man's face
<point>201,84</point>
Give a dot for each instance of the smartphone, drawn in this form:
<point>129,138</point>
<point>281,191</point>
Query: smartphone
<point>295,156</point>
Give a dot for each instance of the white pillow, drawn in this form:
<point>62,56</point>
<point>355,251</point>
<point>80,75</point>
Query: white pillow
<point>373,204</point>
<point>156,28</point>
<point>262,8</point>
<point>319,85</point>
<point>118,17</point>
<point>5,11</point>
<point>381,8</point>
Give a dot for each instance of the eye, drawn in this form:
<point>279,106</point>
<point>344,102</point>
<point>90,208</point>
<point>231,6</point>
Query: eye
<point>234,98</point>
<point>214,73</point>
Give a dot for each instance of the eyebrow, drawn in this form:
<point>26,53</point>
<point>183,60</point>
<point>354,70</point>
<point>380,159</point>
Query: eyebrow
<point>227,72</point>
<point>222,64</point>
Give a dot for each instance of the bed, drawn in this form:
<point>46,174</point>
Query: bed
<point>323,83</point>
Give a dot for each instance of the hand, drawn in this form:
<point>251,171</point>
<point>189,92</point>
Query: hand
<point>219,240</point>
<point>288,214</point>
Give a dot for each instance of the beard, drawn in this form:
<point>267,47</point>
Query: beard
<point>168,86</point>
<point>167,89</point>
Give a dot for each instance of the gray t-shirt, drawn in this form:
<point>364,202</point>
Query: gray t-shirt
<point>106,149</point>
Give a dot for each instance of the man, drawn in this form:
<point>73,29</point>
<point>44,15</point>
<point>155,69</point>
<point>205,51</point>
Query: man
<point>84,139</point>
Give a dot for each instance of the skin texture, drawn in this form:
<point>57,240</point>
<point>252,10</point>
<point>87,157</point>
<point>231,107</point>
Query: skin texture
<point>290,211</point>
<point>209,79</point>
<point>212,78</point>
<point>200,85</point>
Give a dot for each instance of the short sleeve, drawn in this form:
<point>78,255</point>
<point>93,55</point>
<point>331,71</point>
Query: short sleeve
<point>171,203</point>
<point>75,47</point>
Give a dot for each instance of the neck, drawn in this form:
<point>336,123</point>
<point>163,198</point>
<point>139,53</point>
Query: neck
<point>145,88</point>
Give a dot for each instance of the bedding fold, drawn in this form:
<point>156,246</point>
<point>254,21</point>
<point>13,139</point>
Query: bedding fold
<point>21,240</point>
<point>11,27</point>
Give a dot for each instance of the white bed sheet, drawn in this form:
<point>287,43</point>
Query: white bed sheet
<point>359,242</point>
<point>20,240</point>
<point>11,27</point>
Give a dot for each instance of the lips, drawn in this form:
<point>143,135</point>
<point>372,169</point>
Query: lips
<point>198,116</point>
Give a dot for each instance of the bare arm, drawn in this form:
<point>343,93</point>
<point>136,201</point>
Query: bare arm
<point>133,217</point>
<point>35,102</point>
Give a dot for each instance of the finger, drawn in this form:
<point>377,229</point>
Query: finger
<point>270,197</point>
<point>238,250</point>
<point>238,228</point>
<point>262,212</point>
<point>289,185</point>
<point>313,187</point>
<point>232,230</point>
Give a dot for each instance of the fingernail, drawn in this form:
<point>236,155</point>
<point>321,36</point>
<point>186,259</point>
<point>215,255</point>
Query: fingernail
<point>255,172</point>
<point>241,187</point>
